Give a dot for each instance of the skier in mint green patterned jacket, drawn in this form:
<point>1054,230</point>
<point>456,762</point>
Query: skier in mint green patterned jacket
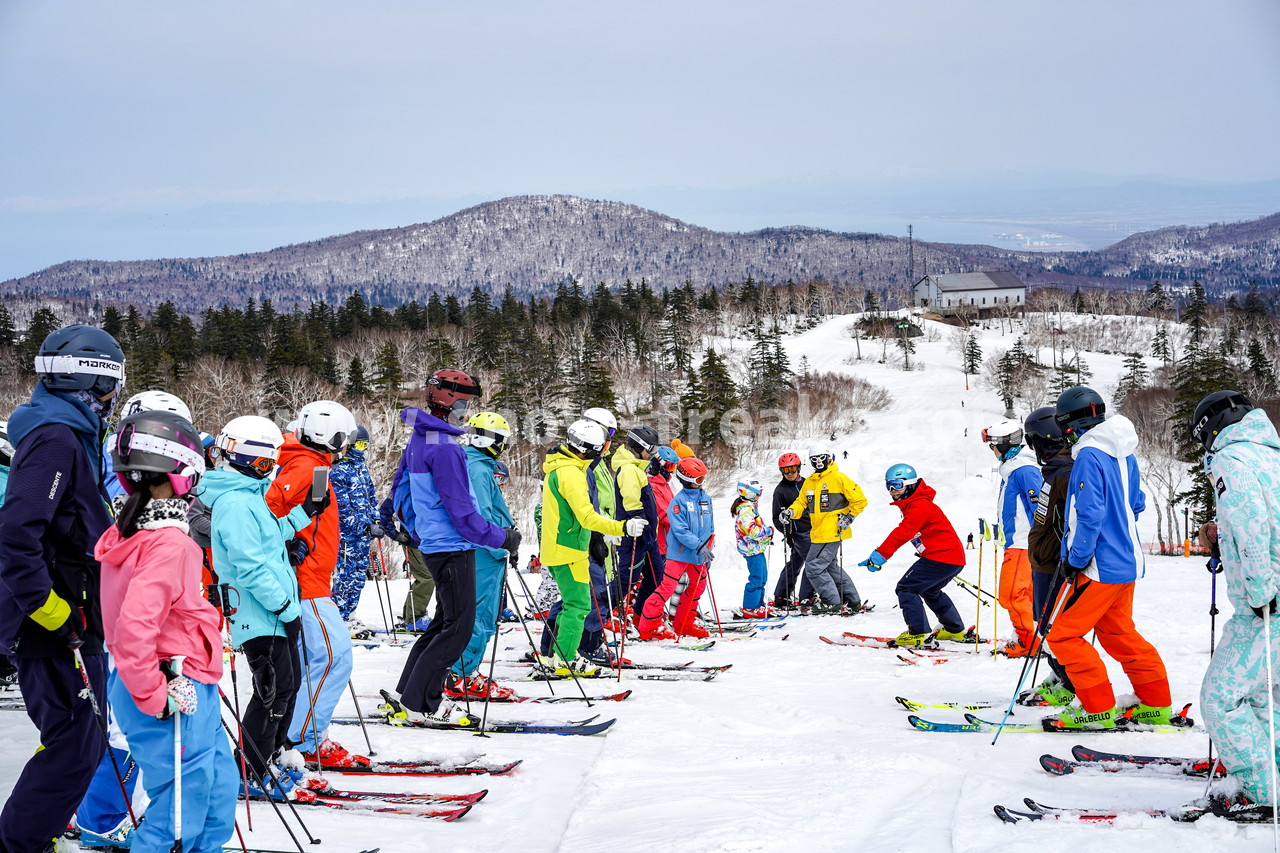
<point>1243,465</point>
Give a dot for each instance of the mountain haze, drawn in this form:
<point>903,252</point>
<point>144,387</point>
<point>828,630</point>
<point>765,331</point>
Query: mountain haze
<point>535,243</point>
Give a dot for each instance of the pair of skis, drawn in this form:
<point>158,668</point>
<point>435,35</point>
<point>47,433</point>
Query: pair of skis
<point>974,723</point>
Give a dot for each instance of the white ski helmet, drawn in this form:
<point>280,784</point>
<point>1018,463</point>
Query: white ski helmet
<point>586,437</point>
<point>820,457</point>
<point>155,401</point>
<point>251,444</point>
<point>603,417</point>
<point>1003,434</point>
<point>325,425</point>
<point>749,489</point>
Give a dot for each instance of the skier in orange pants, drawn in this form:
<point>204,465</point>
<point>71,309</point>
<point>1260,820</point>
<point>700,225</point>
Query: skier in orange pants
<point>1102,553</point>
<point>1020,484</point>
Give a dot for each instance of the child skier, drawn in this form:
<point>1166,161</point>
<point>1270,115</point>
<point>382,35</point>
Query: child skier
<point>1020,484</point>
<point>753,537</point>
<point>357,526</point>
<point>164,638</point>
<point>689,546</point>
<point>940,557</point>
<point>248,544</point>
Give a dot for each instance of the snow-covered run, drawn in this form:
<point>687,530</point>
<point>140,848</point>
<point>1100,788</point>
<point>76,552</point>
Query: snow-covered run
<point>801,747</point>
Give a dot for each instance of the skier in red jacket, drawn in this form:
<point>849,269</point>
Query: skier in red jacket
<point>941,558</point>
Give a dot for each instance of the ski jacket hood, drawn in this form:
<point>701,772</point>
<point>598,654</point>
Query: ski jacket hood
<point>1104,500</point>
<point>56,407</point>
<point>926,526</point>
<point>1020,483</point>
<point>433,495</point>
<point>568,516</point>
<point>154,610</point>
<point>1244,469</point>
<point>248,545</point>
<point>823,498</point>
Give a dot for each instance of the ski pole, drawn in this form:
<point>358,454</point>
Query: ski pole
<point>75,644</point>
<point>306,668</point>
<point>227,612</point>
<point>555,641</point>
<point>175,665</point>
<point>493,656</point>
<point>516,604</point>
<point>258,777</point>
<point>995,611</point>
<point>1043,630</point>
<point>360,717</point>
<point>711,589</point>
<point>1214,565</point>
<point>378,587</point>
<point>977,616</point>
<point>1271,729</point>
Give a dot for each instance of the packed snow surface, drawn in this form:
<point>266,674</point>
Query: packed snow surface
<point>801,745</point>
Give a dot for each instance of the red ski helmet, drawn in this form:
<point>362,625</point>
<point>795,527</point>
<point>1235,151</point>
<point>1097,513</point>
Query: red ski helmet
<point>449,393</point>
<point>691,471</point>
<point>786,460</point>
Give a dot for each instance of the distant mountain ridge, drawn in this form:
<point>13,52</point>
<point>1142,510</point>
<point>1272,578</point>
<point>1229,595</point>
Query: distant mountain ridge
<point>535,243</point>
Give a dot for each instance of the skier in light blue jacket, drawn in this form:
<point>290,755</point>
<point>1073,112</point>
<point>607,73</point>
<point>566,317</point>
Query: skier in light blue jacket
<point>1243,466</point>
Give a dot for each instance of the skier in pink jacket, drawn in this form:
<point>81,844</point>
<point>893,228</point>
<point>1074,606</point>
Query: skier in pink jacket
<point>164,638</point>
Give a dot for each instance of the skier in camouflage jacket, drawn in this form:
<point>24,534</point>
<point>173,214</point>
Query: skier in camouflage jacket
<point>357,523</point>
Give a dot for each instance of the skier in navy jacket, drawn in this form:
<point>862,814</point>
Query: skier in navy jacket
<point>54,512</point>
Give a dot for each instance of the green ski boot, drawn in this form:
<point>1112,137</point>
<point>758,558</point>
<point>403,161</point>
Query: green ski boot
<point>1078,719</point>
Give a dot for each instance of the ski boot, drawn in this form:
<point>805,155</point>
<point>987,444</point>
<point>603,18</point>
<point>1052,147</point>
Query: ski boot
<point>1076,718</point>
<point>119,838</point>
<point>693,629</point>
<point>359,630</point>
<point>960,636</point>
<point>479,687</point>
<point>552,667</point>
<point>756,612</point>
<point>1051,692</point>
<point>419,625</point>
<point>908,639</point>
<point>333,754</point>
<point>1141,715</point>
<point>1239,807</point>
<point>657,632</point>
<point>1015,649</point>
<point>280,788</point>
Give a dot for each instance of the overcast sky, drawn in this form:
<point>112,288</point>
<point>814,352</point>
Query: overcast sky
<point>164,105</point>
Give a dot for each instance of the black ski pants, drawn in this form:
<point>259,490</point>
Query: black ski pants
<point>277,677</point>
<point>794,568</point>
<point>440,646</point>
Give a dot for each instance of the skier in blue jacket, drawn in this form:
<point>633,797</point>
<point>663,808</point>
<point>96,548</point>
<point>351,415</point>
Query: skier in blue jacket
<point>487,438</point>
<point>248,543</point>
<point>436,504</point>
<point>690,543</point>
<point>50,614</point>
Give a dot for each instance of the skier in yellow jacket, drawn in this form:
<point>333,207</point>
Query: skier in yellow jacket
<point>832,501</point>
<point>568,519</point>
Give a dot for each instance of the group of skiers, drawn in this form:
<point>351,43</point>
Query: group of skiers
<point>145,544</point>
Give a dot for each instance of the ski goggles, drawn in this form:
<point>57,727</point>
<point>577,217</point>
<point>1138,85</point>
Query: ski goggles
<point>790,469</point>
<point>502,475</point>
<point>897,484</point>
<point>361,444</point>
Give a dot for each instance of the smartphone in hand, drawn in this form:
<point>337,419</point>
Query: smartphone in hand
<point>319,483</point>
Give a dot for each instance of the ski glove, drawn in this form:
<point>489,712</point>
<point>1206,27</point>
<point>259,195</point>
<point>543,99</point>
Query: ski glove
<point>634,527</point>
<point>1258,611</point>
<point>61,619</point>
<point>182,698</point>
<point>615,541</point>
<point>511,542</point>
<point>1068,571</point>
<point>375,530</point>
<point>297,551</point>
<point>786,514</point>
<point>403,537</point>
<point>844,520</point>
<point>314,508</point>
<point>874,563</point>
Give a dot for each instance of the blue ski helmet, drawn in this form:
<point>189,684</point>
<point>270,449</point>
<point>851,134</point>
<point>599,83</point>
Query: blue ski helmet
<point>901,476</point>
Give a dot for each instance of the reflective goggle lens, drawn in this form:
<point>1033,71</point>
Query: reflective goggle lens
<point>790,469</point>
<point>361,444</point>
<point>895,485</point>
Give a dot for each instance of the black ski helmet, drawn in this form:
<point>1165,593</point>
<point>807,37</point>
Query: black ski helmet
<point>158,442</point>
<point>1079,410</point>
<point>644,438</point>
<point>1216,412</point>
<point>1043,434</point>
<point>81,358</point>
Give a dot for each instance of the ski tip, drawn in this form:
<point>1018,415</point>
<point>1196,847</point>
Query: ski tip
<point>457,814</point>
<point>919,723</point>
<point>479,795</point>
<point>828,640</point>
<point>508,769</point>
<point>909,705</point>
<point>1056,766</point>
<point>1005,815</point>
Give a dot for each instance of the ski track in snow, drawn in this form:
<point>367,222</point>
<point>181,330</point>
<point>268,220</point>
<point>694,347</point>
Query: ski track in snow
<point>800,746</point>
